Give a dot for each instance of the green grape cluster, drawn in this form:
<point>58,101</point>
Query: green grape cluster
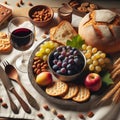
<point>95,59</point>
<point>45,49</point>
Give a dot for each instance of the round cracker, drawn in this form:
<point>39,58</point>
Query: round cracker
<point>58,88</point>
<point>82,95</point>
<point>3,35</point>
<point>72,91</point>
<point>5,45</point>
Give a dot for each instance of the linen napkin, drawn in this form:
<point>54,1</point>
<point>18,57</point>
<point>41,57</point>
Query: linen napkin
<point>101,113</point>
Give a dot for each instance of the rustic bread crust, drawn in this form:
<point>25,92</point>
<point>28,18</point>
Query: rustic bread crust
<point>62,32</point>
<point>52,32</point>
<point>101,33</point>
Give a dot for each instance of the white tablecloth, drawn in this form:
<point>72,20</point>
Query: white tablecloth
<point>108,112</point>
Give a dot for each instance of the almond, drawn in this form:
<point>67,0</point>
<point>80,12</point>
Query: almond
<point>81,116</point>
<point>4,105</point>
<point>54,111</point>
<point>90,114</point>
<point>40,115</point>
<point>46,107</point>
<point>60,116</point>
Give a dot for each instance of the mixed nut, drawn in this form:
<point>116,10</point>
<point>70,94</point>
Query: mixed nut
<point>41,15</point>
<point>83,7</point>
<point>39,65</point>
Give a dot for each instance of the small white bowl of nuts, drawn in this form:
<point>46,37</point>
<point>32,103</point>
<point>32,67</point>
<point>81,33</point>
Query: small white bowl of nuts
<point>41,15</point>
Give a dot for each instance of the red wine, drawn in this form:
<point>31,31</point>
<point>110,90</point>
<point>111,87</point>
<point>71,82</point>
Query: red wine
<point>22,38</point>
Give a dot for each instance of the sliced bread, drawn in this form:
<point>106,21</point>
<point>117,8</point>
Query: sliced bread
<point>62,32</point>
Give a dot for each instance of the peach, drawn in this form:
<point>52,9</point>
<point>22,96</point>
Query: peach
<point>44,78</point>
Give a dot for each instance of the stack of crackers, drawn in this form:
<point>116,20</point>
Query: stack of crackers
<point>65,90</point>
<point>5,45</point>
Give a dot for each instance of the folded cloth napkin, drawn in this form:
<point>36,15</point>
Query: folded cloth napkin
<point>101,113</point>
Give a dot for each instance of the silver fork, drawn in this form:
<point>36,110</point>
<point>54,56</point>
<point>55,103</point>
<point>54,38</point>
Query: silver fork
<point>13,75</point>
<point>21,101</point>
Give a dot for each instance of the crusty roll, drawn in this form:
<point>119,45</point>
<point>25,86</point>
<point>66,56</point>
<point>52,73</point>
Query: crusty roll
<point>101,29</point>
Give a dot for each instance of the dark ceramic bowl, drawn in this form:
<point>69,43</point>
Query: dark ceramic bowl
<point>41,15</point>
<point>67,77</point>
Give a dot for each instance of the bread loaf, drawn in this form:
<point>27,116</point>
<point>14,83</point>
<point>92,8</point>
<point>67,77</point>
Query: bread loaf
<point>62,32</point>
<point>101,29</point>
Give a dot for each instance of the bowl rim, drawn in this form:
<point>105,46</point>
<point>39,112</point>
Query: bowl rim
<point>51,11</point>
<point>67,75</point>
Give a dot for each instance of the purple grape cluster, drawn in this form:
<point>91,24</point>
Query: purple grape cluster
<point>66,60</point>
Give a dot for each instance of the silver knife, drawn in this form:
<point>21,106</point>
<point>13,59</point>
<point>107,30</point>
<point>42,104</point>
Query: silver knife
<point>9,86</point>
<point>12,104</point>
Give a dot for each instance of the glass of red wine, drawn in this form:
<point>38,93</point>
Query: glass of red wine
<point>22,33</point>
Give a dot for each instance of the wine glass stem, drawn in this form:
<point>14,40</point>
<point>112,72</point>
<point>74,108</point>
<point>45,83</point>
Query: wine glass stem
<point>23,58</point>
